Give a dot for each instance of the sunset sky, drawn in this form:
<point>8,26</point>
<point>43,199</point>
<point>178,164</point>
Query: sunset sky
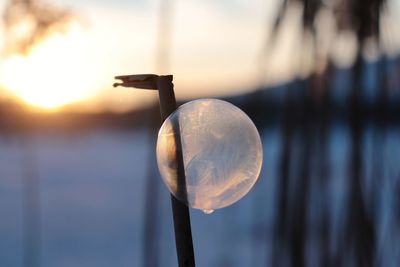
<point>214,51</point>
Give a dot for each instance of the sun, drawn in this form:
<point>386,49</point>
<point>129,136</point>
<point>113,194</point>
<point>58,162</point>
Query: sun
<point>55,73</point>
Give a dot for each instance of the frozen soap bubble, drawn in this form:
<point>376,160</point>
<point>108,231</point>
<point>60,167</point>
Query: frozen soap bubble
<point>221,154</point>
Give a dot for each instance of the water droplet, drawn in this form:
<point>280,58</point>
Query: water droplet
<point>208,211</point>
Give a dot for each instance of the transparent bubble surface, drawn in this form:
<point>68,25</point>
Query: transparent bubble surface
<point>221,154</point>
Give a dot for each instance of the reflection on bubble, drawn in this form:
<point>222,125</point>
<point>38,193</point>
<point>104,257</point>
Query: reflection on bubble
<point>221,149</point>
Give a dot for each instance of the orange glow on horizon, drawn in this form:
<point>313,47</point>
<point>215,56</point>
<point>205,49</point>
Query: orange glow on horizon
<point>56,72</point>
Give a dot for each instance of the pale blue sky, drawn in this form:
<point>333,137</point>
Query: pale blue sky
<point>215,47</point>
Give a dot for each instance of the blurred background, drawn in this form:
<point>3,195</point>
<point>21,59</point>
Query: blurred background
<point>79,184</point>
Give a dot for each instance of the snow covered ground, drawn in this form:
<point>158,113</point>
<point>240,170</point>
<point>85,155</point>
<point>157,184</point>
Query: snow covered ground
<point>92,203</point>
